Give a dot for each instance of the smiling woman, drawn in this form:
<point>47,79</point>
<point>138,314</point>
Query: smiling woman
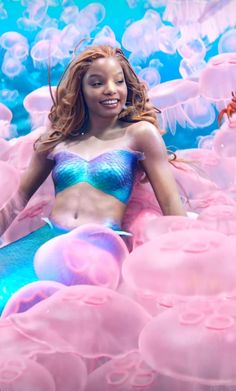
<point>102,137</point>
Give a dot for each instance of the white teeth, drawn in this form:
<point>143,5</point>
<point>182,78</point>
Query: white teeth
<point>110,102</point>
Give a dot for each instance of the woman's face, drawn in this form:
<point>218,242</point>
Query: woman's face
<point>104,88</point>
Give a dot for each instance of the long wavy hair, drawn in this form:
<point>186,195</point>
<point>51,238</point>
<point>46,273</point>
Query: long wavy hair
<point>69,115</point>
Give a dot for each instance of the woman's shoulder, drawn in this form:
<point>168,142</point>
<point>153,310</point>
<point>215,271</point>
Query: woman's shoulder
<point>142,131</point>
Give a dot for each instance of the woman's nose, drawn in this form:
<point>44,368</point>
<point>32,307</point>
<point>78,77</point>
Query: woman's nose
<point>110,88</point>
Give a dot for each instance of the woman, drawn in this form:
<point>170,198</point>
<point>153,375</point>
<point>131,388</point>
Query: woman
<point>102,137</point>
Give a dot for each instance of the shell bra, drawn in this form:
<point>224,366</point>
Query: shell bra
<point>112,172</point>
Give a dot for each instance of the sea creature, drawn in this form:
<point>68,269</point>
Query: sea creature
<point>230,109</point>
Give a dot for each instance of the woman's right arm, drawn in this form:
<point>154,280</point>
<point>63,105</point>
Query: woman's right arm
<point>37,172</point>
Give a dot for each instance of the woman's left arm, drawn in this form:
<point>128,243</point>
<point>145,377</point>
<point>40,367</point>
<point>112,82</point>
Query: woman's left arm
<point>157,168</point>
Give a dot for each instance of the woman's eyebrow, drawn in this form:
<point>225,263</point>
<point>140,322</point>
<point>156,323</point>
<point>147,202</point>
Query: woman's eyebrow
<point>101,75</point>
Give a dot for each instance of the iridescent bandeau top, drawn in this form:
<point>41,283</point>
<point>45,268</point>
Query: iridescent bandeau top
<point>113,172</point>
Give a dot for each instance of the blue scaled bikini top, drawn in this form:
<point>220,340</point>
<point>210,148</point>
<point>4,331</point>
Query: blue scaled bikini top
<point>113,172</point>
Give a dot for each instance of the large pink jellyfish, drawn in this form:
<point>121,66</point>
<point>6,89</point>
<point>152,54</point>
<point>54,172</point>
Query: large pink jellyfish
<point>132,372</point>
<point>89,254</point>
<point>5,120</point>
<point>30,295</point>
<point>17,373</point>
<point>221,218</point>
<point>87,320</point>
<point>183,263</point>
<point>169,97</point>
<point>193,342</point>
<point>218,79</point>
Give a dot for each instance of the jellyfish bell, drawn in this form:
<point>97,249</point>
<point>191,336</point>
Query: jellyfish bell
<point>20,50</point>
<point>224,142</point>
<point>38,104</point>
<point>218,79</point>
<point>227,42</point>
<point>191,67</point>
<point>150,75</point>
<point>69,14</point>
<point>209,332</point>
<point>169,97</point>
<point>5,113</point>
<point>10,38</point>
<point>44,53</point>
<point>141,34</point>
<point>11,66</point>
<point>106,37</point>
<point>200,112</point>
<point>189,47</point>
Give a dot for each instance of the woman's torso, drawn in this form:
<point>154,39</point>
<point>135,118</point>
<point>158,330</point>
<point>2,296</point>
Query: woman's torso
<point>94,177</point>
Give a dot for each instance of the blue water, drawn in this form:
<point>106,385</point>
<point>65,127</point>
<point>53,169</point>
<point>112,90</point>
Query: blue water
<point>118,16</point>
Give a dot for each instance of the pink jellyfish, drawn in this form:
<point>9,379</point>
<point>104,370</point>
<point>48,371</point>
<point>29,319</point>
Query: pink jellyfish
<point>194,342</point>
<point>183,263</point>
<point>45,52</point>
<point>69,14</point>
<point>17,373</point>
<point>38,104</point>
<point>227,42</point>
<point>9,39</point>
<point>5,113</point>
<point>218,79</point>
<point>87,320</point>
<point>169,97</point>
<point>30,295</point>
<point>11,66</point>
<point>179,12</point>
<point>90,254</point>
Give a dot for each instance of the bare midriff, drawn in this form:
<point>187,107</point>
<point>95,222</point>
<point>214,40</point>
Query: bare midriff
<point>83,204</point>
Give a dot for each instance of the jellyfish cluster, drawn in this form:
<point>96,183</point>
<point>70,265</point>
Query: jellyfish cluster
<point>161,316</point>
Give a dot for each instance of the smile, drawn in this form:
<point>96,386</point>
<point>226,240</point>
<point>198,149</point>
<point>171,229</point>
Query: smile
<point>110,102</point>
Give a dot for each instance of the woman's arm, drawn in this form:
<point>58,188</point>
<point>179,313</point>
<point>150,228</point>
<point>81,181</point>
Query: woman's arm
<point>38,170</point>
<point>157,168</point>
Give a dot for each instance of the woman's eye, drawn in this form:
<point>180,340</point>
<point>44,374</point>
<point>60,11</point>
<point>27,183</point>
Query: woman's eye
<point>97,83</point>
<point>120,81</point>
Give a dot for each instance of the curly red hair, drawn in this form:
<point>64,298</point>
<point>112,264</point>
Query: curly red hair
<point>69,114</point>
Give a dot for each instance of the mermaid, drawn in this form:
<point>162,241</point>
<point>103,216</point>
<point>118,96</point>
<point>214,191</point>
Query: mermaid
<point>102,138</point>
